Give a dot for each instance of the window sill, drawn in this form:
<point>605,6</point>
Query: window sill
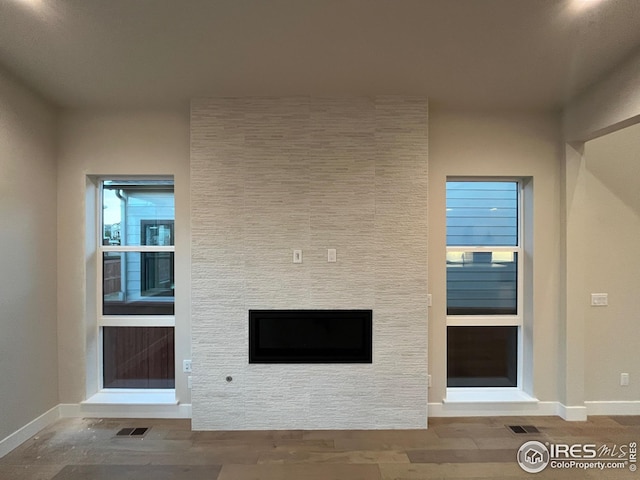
<point>463,395</point>
<point>133,397</point>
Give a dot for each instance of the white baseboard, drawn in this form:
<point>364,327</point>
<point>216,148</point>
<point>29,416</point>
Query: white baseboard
<point>29,430</point>
<point>572,414</point>
<point>613,408</point>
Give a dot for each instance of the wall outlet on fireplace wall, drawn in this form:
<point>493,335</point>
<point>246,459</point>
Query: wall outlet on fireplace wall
<point>186,366</point>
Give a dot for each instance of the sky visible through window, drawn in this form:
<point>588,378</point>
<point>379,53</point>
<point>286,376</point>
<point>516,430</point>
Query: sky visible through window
<point>111,207</point>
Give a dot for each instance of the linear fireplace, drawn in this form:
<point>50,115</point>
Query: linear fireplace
<point>310,336</point>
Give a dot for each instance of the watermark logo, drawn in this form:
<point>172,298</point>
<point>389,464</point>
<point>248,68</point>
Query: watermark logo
<point>533,457</point>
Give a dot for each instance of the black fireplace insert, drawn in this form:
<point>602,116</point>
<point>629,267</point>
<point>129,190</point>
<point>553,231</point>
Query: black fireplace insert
<point>310,336</point>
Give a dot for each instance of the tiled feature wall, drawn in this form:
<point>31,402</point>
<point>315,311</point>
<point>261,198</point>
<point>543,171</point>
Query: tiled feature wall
<point>270,175</point>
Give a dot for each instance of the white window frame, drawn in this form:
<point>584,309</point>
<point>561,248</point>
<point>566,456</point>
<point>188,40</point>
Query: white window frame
<point>497,320</point>
<point>123,320</point>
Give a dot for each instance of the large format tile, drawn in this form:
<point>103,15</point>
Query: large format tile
<point>281,455</point>
<point>627,420</point>
<point>464,448</point>
<point>138,472</point>
<point>376,439</point>
<point>472,471</point>
<point>466,430</point>
<point>333,471</point>
<point>29,472</point>
<point>428,471</point>
<point>462,456</point>
<point>512,443</point>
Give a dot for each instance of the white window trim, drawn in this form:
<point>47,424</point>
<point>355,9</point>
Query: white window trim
<point>136,248</point>
<point>472,395</point>
<point>115,395</point>
<point>137,321</point>
<point>475,394</point>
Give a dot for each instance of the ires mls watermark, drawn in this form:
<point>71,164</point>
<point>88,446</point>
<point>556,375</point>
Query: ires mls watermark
<point>534,456</point>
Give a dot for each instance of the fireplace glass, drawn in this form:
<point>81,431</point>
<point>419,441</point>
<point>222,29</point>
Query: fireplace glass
<point>310,336</point>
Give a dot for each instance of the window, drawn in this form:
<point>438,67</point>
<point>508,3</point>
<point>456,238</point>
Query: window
<point>157,267</point>
<point>136,314</point>
<point>484,283</point>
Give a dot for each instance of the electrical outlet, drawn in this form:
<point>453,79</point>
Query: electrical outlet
<point>189,382</point>
<point>186,366</point>
<point>624,379</point>
<point>599,299</point>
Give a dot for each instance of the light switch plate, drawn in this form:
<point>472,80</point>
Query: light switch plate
<point>599,299</point>
<point>297,256</point>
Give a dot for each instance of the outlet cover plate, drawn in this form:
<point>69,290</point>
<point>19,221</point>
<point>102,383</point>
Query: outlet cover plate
<point>599,299</point>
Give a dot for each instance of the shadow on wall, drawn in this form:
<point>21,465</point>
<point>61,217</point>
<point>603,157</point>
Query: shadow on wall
<point>615,161</point>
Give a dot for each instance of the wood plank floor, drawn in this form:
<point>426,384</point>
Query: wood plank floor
<point>462,448</point>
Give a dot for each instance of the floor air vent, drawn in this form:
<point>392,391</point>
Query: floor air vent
<point>523,429</point>
<point>132,432</point>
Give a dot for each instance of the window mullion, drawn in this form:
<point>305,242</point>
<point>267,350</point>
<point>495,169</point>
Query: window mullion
<point>137,321</point>
<point>137,248</point>
<point>483,249</point>
<point>483,321</point>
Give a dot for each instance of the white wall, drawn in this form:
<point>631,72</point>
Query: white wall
<point>271,175</point>
<point>500,144</point>
<point>604,179</point>
<point>607,106</point>
<point>113,143</point>
<point>28,348</point>
<point>612,230</point>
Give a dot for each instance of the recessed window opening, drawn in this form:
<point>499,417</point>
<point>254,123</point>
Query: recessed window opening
<point>484,283</point>
<point>136,282</point>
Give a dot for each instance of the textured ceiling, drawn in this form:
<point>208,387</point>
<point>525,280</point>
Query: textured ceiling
<point>465,53</point>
